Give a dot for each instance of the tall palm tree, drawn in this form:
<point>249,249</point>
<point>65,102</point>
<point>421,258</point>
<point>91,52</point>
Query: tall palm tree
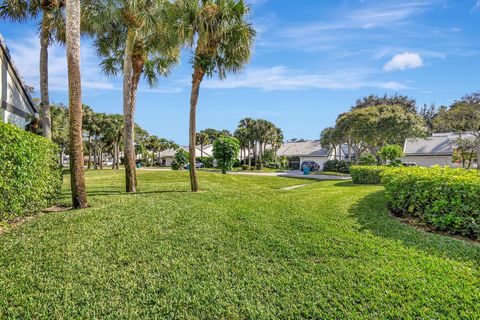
<point>248,124</point>
<point>134,39</point>
<point>79,196</point>
<point>222,39</point>
<point>52,28</point>
<point>203,138</point>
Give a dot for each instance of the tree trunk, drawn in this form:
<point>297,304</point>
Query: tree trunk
<point>349,150</point>
<point>79,195</point>
<point>114,154</point>
<point>89,165</point>
<point>249,155</point>
<point>117,164</point>
<point>44,98</point>
<point>62,154</point>
<point>128,112</point>
<point>478,153</point>
<point>100,157</point>
<point>197,78</point>
<point>95,156</point>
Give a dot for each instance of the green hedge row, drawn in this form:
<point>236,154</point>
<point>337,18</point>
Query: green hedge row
<point>445,198</point>
<point>30,177</point>
<point>367,174</point>
<point>340,166</point>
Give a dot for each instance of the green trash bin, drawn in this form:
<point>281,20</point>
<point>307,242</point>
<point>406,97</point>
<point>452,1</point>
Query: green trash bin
<point>139,165</point>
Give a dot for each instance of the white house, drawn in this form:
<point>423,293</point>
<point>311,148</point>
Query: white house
<point>16,105</point>
<point>427,152</point>
<point>438,149</point>
<point>298,152</point>
<point>168,155</point>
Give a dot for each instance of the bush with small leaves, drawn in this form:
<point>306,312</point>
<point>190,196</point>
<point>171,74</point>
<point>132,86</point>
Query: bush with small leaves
<point>30,176</point>
<point>445,198</point>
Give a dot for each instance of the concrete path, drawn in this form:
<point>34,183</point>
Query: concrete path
<point>290,174</point>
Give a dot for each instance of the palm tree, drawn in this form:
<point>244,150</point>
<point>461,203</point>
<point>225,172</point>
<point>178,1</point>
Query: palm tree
<point>222,39</point>
<point>202,139</point>
<point>133,38</point>
<point>248,124</point>
<point>79,196</point>
<point>52,28</point>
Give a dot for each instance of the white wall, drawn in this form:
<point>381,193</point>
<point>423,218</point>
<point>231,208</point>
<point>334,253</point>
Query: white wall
<point>319,160</point>
<point>429,161</point>
<point>11,93</point>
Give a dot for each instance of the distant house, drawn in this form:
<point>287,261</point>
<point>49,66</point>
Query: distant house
<point>168,155</point>
<point>16,105</point>
<point>438,149</point>
<point>298,152</point>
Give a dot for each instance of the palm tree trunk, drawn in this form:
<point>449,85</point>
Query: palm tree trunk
<point>79,195</point>
<point>95,162</point>
<point>249,155</point>
<point>197,78</point>
<point>100,157</point>
<point>44,98</point>
<point>128,113</point>
<point>478,153</point>
<point>89,165</point>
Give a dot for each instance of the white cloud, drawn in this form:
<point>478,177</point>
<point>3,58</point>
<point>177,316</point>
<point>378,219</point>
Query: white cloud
<point>280,78</point>
<point>402,61</point>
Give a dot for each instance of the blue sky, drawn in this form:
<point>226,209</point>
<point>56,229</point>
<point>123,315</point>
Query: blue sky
<point>312,59</point>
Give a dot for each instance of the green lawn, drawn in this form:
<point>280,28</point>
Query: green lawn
<point>243,248</point>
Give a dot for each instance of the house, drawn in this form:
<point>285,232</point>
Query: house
<point>427,152</point>
<point>167,156</point>
<point>298,152</point>
<point>16,106</point>
<point>439,149</point>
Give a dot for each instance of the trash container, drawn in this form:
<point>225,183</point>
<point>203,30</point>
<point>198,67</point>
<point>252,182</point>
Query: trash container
<point>306,170</point>
<point>139,165</point>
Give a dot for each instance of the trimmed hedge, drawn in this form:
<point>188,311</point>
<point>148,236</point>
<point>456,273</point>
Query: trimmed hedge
<point>340,166</point>
<point>444,198</point>
<point>30,176</point>
<point>367,174</point>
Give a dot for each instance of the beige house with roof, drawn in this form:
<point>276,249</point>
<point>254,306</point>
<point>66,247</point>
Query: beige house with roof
<point>301,151</point>
<point>16,105</point>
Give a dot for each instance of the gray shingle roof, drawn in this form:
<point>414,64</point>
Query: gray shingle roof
<point>306,148</point>
<point>438,145</point>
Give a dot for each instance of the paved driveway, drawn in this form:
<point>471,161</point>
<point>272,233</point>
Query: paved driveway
<point>290,174</point>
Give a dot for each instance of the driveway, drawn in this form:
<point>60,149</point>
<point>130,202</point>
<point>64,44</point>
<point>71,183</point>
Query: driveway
<point>290,174</point>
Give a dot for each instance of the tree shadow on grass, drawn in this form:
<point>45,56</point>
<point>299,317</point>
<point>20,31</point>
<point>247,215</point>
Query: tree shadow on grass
<point>93,193</point>
<point>373,215</point>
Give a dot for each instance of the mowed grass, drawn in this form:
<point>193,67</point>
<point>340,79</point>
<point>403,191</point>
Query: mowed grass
<point>242,249</point>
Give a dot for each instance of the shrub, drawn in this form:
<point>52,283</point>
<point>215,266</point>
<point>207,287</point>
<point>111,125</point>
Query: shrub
<point>207,161</point>
<point>245,167</point>
<point>341,166</point>
<point>225,151</point>
<point>181,159</point>
<point>445,198</point>
<point>366,174</point>
<point>391,153</point>
<point>368,160</point>
<point>30,176</point>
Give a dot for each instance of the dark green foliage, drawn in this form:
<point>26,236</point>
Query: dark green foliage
<point>225,151</point>
<point>30,176</point>
<point>368,160</point>
<point>207,161</point>
<point>340,166</point>
<point>181,159</point>
<point>445,198</point>
<point>366,174</point>
<point>391,153</point>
